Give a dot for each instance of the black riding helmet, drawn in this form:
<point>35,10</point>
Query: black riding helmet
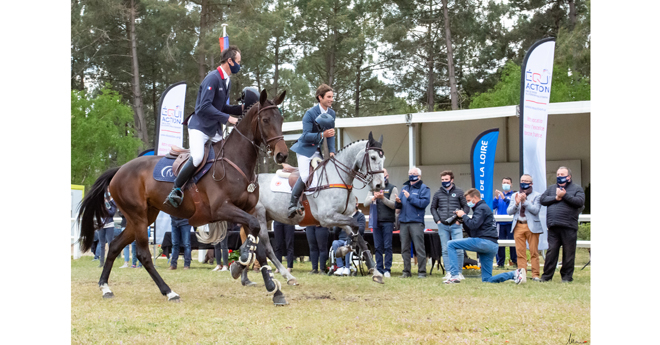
<point>326,121</point>
<point>249,96</point>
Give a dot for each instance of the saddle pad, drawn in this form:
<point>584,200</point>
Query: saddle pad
<point>163,169</point>
<point>280,184</point>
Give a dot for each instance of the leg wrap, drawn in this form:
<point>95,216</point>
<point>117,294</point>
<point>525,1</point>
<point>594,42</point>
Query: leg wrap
<point>272,285</point>
<point>247,250</point>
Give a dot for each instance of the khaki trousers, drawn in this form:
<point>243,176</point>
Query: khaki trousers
<point>522,235</point>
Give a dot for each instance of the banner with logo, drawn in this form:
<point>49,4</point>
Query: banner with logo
<point>169,130</point>
<point>535,85</point>
<point>482,163</point>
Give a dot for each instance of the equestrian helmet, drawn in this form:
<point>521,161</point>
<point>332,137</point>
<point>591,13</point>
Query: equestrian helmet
<point>249,96</point>
<point>326,121</point>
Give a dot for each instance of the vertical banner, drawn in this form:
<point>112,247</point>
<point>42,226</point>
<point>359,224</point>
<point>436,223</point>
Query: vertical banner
<point>535,85</point>
<point>169,130</point>
<point>482,163</point>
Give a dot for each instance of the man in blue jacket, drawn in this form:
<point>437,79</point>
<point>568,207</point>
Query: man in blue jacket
<point>212,110</point>
<point>500,204</point>
<point>483,240</point>
<point>412,202</point>
<point>308,145</point>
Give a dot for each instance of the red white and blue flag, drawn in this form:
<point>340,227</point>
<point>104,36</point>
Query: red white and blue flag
<point>224,40</point>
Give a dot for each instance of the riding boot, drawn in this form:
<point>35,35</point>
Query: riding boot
<point>296,191</point>
<point>176,195</point>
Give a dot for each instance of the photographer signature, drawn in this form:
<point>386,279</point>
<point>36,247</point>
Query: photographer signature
<point>573,341</point>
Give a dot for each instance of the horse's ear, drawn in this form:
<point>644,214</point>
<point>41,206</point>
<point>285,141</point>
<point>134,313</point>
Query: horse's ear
<point>280,98</point>
<point>371,137</point>
<point>263,97</point>
<point>381,139</point>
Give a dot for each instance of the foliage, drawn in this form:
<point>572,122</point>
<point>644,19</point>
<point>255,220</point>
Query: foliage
<point>102,134</point>
<point>584,232</point>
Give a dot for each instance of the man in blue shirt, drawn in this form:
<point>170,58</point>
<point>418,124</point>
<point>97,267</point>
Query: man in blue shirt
<point>500,205</point>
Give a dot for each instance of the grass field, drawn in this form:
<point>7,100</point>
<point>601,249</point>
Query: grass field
<point>215,309</point>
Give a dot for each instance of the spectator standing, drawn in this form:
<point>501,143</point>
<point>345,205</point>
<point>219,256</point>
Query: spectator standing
<point>107,232</point>
<point>565,201</point>
<point>381,219</point>
<point>284,235</point>
<point>180,235</point>
<point>446,201</point>
<point>500,204</point>
<point>483,240</point>
<point>317,238</point>
<point>221,252</point>
<point>412,202</point>
<point>525,208</point>
<point>127,253</point>
<point>344,264</point>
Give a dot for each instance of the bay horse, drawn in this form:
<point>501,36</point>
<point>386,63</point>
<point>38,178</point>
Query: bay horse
<point>362,160</point>
<point>227,192</point>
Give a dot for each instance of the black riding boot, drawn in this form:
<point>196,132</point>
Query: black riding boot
<point>176,195</point>
<point>296,191</point>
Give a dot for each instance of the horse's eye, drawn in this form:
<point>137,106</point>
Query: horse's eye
<point>265,120</point>
<point>373,158</point>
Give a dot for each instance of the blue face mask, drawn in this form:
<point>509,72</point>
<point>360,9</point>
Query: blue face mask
<point>470,204</point>
<point>446,184</point>
<point>413,177</point>
<point>525,185</point>
<point>506,187</point>
<point>562,179</point>
<point>234,69</point>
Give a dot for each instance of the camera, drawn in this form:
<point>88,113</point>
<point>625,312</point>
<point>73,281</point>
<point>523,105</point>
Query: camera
<point>451,219</point>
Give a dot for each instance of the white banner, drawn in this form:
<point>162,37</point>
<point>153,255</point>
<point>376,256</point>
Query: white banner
<point>170,130</point>
<point>535,97</point>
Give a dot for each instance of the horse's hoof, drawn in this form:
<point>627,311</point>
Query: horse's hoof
<point>249,283</point>
<point>108,295</point>
<point>279,299</point>
<point>378,279</point>
<point>175,299</point>
<point>235,270</point>
<point>292,282</point>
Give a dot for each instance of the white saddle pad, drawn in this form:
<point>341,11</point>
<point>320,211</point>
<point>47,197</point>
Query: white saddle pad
<point>280,184</point>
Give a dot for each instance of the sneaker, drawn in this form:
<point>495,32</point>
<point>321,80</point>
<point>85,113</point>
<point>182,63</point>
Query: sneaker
<point>171,268</point>
<point>133,266</point>
<point>95,259</point>
<point>452,281</point>
<point>536,279</point>
<point>387,274</point>
<point>314,272</point>
<point>217,268</point>
<point>347,271</point>
<point>421,276</point>
<point>566,281</point>
<point>125,265</point>
<point>339,272</point>
<point>520,276</point>
<point>460,276</point>
<point>447,276</point>
<point>224,269</point>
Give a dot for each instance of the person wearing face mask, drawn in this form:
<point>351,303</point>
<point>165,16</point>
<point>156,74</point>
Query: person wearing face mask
<point>381,219</point>
<point>525,208</point>
<point>344,264</point>
<point>212,110</point>
<point>565,201</point>
<point>483,240</point>
<point>500,204</point>
<point>412,202</point>
<point>446,200</point>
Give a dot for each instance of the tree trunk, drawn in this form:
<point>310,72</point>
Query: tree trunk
<point>572,14</point>
<point>201,52</point>
<point>430,76</point>
<point>140,125</point>
<point>358,79</point>
<point>276,75</point>
<point>450,60</point>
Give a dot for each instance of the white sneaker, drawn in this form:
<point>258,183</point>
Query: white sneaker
<point>447,276</point>
<point>346,271</point>
<point>125,265</point>
<point>520,276</point>
<point>387,274</point>
<point>217,268</point>
<point>224,269</point>
<point>460,276</point>
<point>339,271</point>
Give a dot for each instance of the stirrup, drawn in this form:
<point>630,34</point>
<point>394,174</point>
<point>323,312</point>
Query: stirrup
<point>175,198</point>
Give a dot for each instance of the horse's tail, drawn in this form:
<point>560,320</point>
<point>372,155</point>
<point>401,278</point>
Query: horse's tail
<point>92,209</point>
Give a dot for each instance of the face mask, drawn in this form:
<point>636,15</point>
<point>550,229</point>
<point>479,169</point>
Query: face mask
<point>446,184</point>
<point>234,69</point>
<point>470,204</point>
<point>413,177</point>
<point>506,187</point>
<point>562,179</point>
<point>524,185</point>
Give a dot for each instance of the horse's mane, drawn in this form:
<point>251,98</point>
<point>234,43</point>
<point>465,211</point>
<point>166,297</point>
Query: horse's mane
<point>351,144</point>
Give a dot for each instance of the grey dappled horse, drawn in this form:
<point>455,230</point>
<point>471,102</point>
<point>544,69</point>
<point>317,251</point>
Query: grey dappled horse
<point>329,206</point>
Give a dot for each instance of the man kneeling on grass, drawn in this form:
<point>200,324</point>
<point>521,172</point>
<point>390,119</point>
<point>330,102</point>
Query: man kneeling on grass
<point>483,240</point>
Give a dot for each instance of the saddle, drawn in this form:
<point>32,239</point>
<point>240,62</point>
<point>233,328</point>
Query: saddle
<point>292,173</point>
<point>181,156</point>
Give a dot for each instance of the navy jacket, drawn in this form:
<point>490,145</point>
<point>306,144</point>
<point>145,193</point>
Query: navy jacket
<point>482,223</point>
<point>311,138</point>
<point>413,207</point>
<point>211,108</point>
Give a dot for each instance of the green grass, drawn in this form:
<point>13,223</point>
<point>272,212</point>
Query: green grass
<point>215,309</point>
